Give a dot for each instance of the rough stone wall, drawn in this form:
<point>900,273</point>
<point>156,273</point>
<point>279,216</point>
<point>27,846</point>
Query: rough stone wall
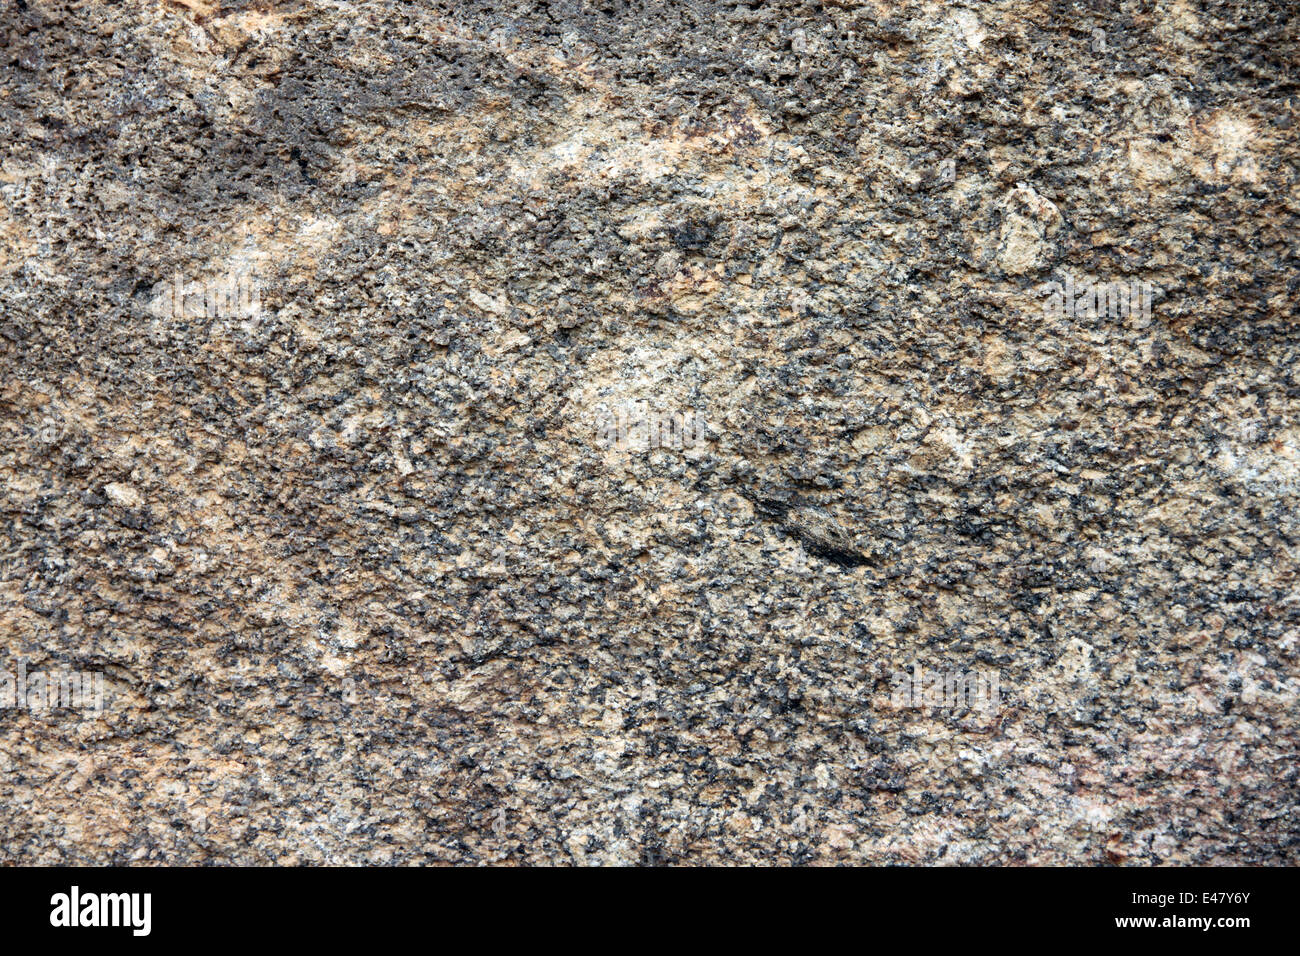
<point>370,578</point>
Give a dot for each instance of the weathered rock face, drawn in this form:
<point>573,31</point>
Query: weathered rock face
<point>546,434</point>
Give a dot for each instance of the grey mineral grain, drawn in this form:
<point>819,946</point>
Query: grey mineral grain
<point>368,575</point>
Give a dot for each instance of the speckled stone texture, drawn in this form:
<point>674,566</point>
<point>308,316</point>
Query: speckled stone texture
<point>366,585</point>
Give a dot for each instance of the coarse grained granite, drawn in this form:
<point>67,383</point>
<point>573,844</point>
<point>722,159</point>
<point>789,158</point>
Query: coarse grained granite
<point>366,587</point>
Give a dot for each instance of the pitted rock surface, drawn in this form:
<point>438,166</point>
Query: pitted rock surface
<point>364,578</point>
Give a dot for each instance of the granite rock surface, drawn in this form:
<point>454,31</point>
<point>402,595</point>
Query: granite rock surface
<point>563,432</point>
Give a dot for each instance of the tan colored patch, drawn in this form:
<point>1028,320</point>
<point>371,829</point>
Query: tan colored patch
<point>203,8</point>
<point>1216,147</point>
<point>1225,146</point>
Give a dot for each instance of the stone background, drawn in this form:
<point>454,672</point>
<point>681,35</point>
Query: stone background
<point>366,587</point>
